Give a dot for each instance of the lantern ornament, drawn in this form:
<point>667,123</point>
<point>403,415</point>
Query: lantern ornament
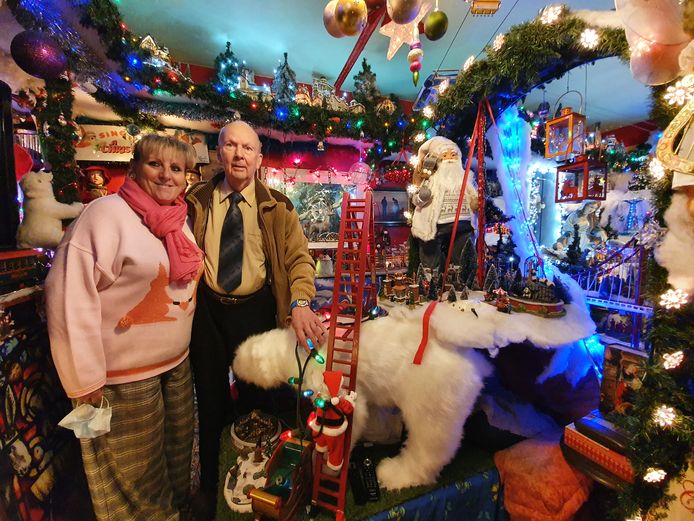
<point>565,135</point>
<point>581,180</point>
<point>484,7</point>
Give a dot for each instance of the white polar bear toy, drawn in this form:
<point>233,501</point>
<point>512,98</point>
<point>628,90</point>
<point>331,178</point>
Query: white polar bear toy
<point>434,398</point>
<point>42,226</point>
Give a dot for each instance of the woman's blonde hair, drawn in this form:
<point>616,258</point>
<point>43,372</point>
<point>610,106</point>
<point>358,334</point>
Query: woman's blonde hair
<point>156,144</point>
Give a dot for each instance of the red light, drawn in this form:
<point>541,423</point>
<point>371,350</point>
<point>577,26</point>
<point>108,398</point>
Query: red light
<point>254,105</point>
<point>326,315</point>
<point>297,161</point>
<point>122,26</point>
<point>286,435</point>
<point>157,80</point>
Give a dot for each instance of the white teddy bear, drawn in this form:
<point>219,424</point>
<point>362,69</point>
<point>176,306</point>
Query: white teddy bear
<point>42,226</point>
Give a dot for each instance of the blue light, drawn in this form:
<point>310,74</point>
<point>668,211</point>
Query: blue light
<point>219,88</point>
<point>401,123</point>
<point>307,393</point>
<point>379,150</point>
<point>134,61</point>
<point>281,113</point>
<point>349,124</point>
<point>596,351</point>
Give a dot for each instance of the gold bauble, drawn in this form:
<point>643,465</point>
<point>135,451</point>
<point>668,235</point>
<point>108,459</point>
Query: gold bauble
<point>403,11</point>
<point>329,20</point>
<point>351,16</point>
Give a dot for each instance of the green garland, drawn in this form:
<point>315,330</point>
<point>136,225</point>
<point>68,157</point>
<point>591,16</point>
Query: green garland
<point>532,53</point>
<point>59,137</point>
<point>666,448</point>
<point>207,103</point>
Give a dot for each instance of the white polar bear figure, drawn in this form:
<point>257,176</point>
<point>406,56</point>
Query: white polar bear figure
<point>42,226</point>
<point>434,398</point>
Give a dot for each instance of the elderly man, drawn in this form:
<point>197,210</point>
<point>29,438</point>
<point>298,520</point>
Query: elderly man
<point>258,275</point>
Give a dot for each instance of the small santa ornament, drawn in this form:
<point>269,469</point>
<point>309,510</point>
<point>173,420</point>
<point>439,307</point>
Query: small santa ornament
<point>329,423</point>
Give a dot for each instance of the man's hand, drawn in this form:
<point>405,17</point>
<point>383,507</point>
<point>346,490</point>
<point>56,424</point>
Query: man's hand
<point>308,326</point>
<point>94,398</point>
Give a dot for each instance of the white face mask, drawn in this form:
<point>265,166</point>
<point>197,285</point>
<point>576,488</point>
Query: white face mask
<point>88,421</point>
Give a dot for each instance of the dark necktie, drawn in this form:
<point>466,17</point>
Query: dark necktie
<point>231,246</point>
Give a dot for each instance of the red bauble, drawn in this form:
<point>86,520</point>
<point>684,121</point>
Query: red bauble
<point>415,66</point>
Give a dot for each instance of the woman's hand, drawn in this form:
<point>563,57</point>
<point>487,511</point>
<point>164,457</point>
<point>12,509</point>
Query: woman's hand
<point>94,398</point>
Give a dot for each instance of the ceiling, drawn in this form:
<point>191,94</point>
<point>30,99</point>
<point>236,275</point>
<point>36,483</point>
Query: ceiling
<point>260,32</point>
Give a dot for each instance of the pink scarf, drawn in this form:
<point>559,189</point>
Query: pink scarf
<point>166,223</point>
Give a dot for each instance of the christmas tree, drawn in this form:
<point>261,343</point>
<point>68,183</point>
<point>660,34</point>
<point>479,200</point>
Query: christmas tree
<point>491,281</point>
<point>451,295</point>
<point>365,90</point>
<point>284,84</point>
<point>227,68</point>
<point>468,264</point>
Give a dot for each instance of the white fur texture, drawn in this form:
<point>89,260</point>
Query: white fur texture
<point>42,226</point>
<point>677,250</point>
<point>436,397</point>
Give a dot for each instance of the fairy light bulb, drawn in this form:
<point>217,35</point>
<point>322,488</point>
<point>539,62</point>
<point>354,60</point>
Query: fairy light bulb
<point>654,475</point>
<point>419,137</point>
<point>428,111</point>
<point>551,14</point>
<point>411,189</point>
<point>468,63</point>
<point>498,42</point>
<point>664,416</point>
<point>414,161</point>
<point>656,169</point>
<point>673,360</point>
<point>443,86</point>
<point>407,214</point>
<point>590,38</point>
<point>674,298</point>
<point>681,92</point>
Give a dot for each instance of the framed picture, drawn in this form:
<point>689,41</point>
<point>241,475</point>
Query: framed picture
<point>390,206</point>
<point>319,207</point>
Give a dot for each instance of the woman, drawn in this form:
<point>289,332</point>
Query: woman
<point>120,302</point>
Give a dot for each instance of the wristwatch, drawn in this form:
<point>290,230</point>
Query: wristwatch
<point>299,303</point>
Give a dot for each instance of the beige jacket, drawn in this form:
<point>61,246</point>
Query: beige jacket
<point>291,269</point>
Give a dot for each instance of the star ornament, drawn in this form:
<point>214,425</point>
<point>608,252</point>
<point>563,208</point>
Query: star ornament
<point>405,33</point>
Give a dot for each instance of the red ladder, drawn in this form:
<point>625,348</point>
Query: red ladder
<point>356,253</point>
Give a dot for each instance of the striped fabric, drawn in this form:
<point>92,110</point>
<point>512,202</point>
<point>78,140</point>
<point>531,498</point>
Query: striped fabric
<point>140,471</point>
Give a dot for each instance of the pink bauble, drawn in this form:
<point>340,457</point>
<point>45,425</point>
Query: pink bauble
<point>659,21</point>
<point>329,20</point>
<point>653,63</point>
<point>415,66</point>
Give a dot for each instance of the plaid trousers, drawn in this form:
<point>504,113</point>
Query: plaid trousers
<point>140,470</point>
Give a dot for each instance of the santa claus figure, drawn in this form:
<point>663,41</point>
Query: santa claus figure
<point>329,423</point>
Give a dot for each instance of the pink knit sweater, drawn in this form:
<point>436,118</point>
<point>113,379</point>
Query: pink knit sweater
<point>113,316</point>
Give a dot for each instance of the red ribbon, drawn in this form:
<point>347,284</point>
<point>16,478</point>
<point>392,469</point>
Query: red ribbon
<point>425,333</point>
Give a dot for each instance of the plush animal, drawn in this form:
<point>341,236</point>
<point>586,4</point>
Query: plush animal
<point>42,226</point>
<point>434,398</point>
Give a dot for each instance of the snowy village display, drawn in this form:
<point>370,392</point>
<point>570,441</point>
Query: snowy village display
<point>247,474</point>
